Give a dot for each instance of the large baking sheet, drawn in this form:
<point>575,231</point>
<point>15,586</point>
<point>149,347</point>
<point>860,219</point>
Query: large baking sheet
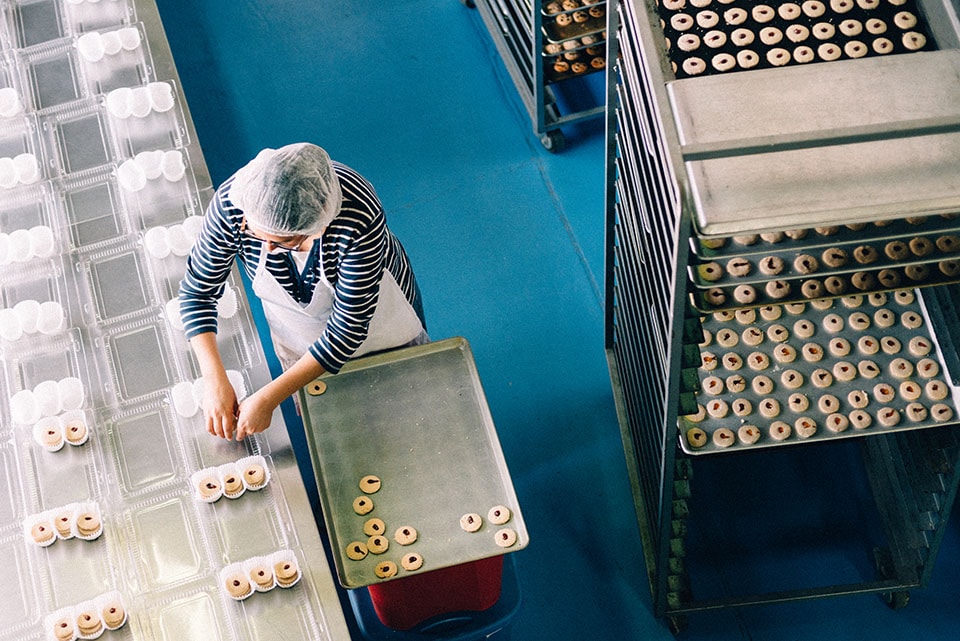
<point>849,141</point>
<point>417,418</point>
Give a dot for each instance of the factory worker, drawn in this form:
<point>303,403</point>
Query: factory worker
<point>335,283</point>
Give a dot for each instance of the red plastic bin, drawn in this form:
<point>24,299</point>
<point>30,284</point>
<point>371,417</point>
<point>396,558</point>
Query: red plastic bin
<point>403,603</point>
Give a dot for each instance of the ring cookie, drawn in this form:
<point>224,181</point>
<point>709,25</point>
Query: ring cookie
<point>505,537</point>
<point>363,505</point>
<point>724,437</point>
<point>370,484</point>
<point>411,562</point>
<point>471,522</point>
<point>405,535</point>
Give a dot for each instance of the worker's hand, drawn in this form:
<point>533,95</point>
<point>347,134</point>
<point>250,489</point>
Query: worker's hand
<point>254,414</point>
<point>220,407</point>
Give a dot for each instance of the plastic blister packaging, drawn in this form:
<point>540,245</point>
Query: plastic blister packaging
<point>146,117</point>
<point>21,154</point>
<point>51,75</point>
<point>114,58</point>
<point>11,496</point>
<point>119,284</point>
<point>171,548</point>
<point>93,211</point>
<point>146,448</point>
<point>77,138</point>
<point>190,614</point>
<point>37,21</point>
<point>138,357</point>
<point>62,358</point>
<point>159,188</point>
<point>37,302</point>
<point>11,94</point>
<point>81,16</point>
<point>20,608</point>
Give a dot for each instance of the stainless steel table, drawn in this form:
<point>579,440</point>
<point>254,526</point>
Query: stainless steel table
<point>161,548</point>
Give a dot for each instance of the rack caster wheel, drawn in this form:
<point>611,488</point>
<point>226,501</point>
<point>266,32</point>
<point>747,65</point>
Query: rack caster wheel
<point>468,4</point>
<point>896,600</point>
<point>553,141</point>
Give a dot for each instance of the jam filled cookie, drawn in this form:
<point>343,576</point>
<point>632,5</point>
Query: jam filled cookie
<point>780,431</point>
<point>860,420</point>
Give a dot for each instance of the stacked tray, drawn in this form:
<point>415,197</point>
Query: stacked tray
<point>817,371</point>
<point>804,264</point>
<point>575,38</point>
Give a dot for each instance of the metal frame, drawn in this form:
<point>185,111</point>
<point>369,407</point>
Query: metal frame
<point>651,343</point>
<point>516,28</point>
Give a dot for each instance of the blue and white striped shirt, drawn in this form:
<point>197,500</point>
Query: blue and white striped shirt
<point>354,250</point>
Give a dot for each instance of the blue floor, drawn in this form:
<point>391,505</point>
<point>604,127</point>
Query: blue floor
<point>507,242</point>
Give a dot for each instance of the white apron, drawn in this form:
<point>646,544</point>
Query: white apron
<point>295,327</point>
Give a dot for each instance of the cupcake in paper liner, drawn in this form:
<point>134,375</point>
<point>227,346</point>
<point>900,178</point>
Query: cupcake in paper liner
<point>286,568</point>
<point>254,472</point>
<point>48,433</point>
<point>234,581</point>
<point>232,480</point>
<point>259,571</point>
<point>207,485</point>
<point>88,524</point>
<point>75,429</point>
<point>112,610</point>
<point>38,529</point>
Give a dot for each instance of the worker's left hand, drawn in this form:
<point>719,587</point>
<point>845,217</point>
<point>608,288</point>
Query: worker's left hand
<point>254,414</point>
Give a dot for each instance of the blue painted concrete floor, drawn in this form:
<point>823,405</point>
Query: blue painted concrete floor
<point>507,242</point>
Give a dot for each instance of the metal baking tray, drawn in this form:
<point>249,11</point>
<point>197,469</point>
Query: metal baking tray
<point>558,33</point>
<point>417,418</point>
<point>839,389</point>
<point>821,144</point>
<point>709,299</point>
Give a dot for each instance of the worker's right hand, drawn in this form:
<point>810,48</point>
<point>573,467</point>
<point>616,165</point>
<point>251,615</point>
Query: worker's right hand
<point>220,406</point>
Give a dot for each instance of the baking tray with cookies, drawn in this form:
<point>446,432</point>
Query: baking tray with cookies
<point>782,375</point>
<point>826,285</point>
<point>573,19</point>
<point>706,40</point>
<point>408,464</point>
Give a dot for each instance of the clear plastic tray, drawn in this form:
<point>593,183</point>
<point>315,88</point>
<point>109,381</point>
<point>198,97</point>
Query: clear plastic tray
<point>20,609</point>
<point>76,138</point>
<point>171,548</point>
<point>37,21</point>
<point>156,130</point>
<point>93,212</point>
<point>93,15</point>
<point>21,136</point>
<point>162,202</point>
<point>45,283</point>
<point>11,497</point>
<point>195,614</point>
<point>147,454</point>
<point>138,358</point>
<point>50,358</point>
<point>126,67</point>
<point>119,284</point>
<point>51,75</point>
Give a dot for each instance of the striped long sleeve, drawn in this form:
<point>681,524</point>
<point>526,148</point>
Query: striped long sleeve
<point>353,252</point>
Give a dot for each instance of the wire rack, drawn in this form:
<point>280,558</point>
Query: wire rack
<point>660,230</point>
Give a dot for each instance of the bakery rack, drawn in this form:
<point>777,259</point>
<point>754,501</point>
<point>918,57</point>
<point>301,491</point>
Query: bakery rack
<point>708,169</point>
<point>546,45</point>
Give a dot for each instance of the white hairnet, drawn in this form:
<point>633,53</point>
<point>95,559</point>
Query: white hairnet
<point>290,190</point>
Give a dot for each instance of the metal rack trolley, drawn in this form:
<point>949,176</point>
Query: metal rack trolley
<point>658,214</point>
<point>530,40</point>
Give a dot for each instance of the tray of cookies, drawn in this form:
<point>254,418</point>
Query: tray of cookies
<point>704,39</point>
<point>803,264</point>
<point>567,19</point>
<point>412,478</point>
<point>806,372</point>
